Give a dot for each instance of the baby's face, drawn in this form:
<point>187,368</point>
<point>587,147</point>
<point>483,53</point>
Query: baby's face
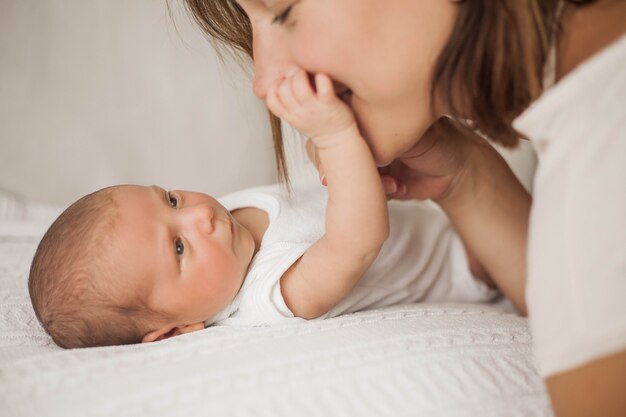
<point>188,251</point>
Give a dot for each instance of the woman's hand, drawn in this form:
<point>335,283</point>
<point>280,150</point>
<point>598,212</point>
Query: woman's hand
<point>486,203</point>
<point>430,169</point>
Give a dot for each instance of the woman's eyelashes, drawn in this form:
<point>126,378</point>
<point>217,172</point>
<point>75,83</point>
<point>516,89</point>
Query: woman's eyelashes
<point>281,18</point>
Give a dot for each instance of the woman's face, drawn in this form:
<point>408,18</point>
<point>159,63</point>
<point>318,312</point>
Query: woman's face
<point>381,55</point>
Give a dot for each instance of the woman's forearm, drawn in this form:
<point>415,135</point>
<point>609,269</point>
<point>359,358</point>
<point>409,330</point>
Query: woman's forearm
<point>490,209</point>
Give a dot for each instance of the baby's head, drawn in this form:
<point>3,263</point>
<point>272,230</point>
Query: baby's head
<point>129,263</point>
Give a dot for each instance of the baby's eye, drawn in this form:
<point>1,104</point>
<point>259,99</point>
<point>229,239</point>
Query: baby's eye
<point>173,200</point>
<point>179,247</point>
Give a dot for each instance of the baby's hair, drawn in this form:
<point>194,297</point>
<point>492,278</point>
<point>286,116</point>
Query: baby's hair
<point>74,284</point>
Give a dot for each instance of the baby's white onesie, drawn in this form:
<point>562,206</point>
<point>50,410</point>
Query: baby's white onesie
<point>423,259</point>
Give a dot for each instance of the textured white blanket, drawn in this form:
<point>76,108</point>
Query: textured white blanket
<point>413,360</point>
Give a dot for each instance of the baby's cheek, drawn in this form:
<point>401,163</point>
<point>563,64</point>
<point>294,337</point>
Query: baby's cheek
<point>223,270</point>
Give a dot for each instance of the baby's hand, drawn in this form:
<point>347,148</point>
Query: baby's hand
<point>314,113</point>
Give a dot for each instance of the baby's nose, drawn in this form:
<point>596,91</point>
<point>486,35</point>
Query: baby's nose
<point>202,217</point>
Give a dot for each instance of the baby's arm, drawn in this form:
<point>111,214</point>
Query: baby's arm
<point>356,215</point>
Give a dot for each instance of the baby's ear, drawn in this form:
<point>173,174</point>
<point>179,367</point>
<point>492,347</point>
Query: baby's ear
<point>167,332</point>
<point>191,328</point>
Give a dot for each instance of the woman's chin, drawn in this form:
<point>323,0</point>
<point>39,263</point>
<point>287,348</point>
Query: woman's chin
<point>382,158</point>
<point>394,146</point>
<point>380,163</point>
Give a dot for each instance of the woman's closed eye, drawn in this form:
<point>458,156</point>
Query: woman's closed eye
<point>282,17</point>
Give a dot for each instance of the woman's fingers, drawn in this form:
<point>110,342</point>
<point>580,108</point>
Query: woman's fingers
<point>393,188</point>
<point>389,184</point>
<point>392,185</point>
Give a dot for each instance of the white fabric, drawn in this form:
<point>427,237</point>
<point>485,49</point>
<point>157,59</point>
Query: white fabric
<point>577,244</point>
<point>24,218</point>
<point>422,260</point>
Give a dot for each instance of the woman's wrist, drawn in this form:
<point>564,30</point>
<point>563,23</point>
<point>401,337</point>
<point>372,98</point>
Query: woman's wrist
<point>490,208</point>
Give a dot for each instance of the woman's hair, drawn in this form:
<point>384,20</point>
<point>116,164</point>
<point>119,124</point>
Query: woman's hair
<point>229,30</point>
<point>491,68</point>
<point>489,71</point>
<point>75,288</point>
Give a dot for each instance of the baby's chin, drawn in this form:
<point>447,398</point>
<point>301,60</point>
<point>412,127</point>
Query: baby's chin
<point>222,314</point>
<point>250,245</point>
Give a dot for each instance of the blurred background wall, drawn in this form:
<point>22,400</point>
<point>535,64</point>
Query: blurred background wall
<point>99,92</point>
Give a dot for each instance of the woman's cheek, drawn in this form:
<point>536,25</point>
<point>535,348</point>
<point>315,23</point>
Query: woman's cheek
<point>391,130</point>
<point>379,134</point>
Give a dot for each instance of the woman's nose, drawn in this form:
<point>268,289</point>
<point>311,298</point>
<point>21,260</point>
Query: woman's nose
<point>272,60</point>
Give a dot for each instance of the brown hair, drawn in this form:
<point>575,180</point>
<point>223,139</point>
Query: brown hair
<point>72,281</point>
<point>489,71</point>
<point>230,32</point>
<point>491,67</point>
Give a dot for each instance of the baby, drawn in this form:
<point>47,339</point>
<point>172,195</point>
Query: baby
<point>131,264</point>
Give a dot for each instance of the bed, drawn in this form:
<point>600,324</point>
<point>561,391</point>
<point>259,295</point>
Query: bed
<point>420,359</point>
<point>120,110</point>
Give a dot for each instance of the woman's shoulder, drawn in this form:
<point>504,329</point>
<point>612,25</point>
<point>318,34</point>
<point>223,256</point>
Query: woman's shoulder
<point>592,95</point>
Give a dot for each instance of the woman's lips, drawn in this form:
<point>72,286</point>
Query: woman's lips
<point>342,91</point>
<point>345,96</point>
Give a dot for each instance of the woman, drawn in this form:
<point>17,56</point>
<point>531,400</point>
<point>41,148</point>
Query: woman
<point>422,77</point>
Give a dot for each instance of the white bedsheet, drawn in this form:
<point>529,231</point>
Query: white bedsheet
<point>412,360</point>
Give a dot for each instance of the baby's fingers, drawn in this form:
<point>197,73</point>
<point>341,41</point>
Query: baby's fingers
<point>302,89</point>
<point>274,102</point>
<point>286,95</point>
<point>324,86</point>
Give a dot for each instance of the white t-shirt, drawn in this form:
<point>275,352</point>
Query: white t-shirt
<point>576,288</point>
<point>423,259</point>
